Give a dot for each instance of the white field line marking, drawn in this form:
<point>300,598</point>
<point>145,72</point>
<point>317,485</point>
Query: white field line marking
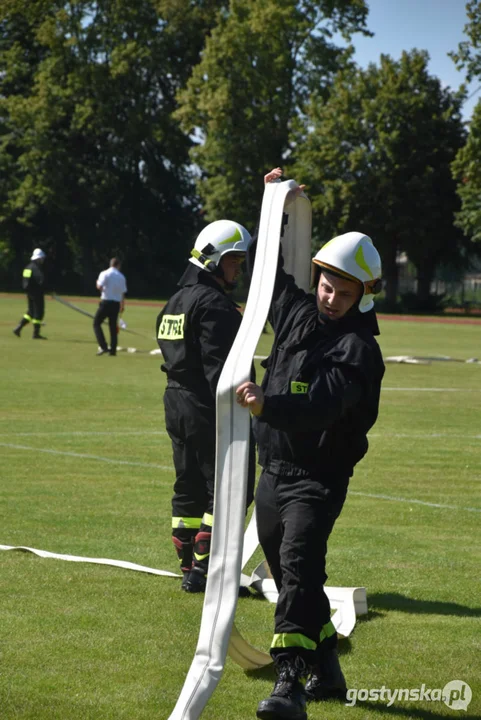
<point>415,436</point>
<point>412,502</point>
<point>86,432</point>
<point>86,457</point>
<point>432,389</point>
<point>424,436</point>
<point>351,492</point>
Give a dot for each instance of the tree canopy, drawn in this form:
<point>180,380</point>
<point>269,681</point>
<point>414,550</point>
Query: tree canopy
<point>125,126</point>
<point>376,157</point>
<point>261,63</point>
<point>467,165</point>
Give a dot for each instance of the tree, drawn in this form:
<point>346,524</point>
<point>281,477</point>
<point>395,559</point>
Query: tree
<point>468,56</point>
<point>260,64</point>
<point>103,167</point>
<point>467,165</point>
<point>20,54</point>
<point>376,157</point>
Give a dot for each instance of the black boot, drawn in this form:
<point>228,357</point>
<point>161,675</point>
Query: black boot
<point>36,332</point>
<point>19,327</point>
<point>326,680</point>
<point>197,579</point>
<point>288,698</point>
<point>184,545</point>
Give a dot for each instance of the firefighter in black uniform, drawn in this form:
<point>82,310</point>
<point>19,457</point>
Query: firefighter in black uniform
<point>195,333</point>
<point>319,398</point>
<point>33,283</point>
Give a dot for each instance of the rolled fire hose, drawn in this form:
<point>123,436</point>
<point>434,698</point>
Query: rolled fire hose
<point>232,429</point>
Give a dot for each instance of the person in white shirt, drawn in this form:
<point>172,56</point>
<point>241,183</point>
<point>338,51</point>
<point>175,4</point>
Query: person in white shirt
<point>113,287</point>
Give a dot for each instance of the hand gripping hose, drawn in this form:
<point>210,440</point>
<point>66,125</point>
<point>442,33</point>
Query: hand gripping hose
<point>232,429</point>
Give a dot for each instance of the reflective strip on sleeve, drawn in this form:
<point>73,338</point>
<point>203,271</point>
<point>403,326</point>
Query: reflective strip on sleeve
<point>186,522</point>
<point>299,388</point>
<point>328,630</point>
<point>288,640</point>
<point>172,327</point>
<point>27,273</point>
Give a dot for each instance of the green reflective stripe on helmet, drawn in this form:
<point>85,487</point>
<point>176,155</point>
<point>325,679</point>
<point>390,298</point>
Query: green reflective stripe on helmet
<point>286,640</point>
<point>27,317</point>
<point>208,519</point>
<point>361,261</point>
<point>27,273</point>
<point>234,238</point>
<point>328,630</point>
<point>189,523</point>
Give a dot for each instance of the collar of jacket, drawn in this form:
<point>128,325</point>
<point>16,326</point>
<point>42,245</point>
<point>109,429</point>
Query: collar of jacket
<point>196,276</point>
<point>350,323</point>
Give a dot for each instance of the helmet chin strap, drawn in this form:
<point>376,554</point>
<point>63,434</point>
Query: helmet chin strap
<point>213,268</point>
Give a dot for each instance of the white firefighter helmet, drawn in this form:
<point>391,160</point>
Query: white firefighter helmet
<point>216,240</point>
<point>354,257</point>
<point>38,254</point>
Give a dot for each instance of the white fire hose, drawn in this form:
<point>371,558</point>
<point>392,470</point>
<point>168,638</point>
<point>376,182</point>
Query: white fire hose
<point>233,424</point>
<point>230,548</point>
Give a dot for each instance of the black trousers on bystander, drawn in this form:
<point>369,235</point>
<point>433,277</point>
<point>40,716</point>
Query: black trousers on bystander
<point>107,309</point>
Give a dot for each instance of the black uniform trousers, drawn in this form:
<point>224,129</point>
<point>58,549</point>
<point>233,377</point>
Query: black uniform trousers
<point>36,307</point>
<point>295,517</point>
<point>107,309</point>
<point>191,423</point>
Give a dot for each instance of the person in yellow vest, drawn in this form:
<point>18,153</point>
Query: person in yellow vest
<point>33,281</point>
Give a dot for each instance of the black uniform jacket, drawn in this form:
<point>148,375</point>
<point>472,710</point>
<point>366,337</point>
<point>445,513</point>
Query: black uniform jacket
<point>322,387</point>
<point>195,332</point>
<point>33,279</point>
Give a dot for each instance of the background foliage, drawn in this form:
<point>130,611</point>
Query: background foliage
<point>124,127</point>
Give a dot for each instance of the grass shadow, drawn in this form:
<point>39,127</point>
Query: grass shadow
<point>267,672</point>
<point>408,711</point>
<point>396,601</point>
<point>369,616</point>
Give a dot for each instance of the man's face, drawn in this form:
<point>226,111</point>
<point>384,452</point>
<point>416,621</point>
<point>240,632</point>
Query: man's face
<point>231,266</point>
<point>336,296</point>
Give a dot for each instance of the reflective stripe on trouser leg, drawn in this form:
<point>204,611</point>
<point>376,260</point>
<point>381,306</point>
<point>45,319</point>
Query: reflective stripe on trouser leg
<point>27,317</point>
<point>190,523</point>
<point>202,543</point>
<point>327,631</point>
<point>292,640</point>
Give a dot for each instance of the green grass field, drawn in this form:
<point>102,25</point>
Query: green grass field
<point>86,470</point>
